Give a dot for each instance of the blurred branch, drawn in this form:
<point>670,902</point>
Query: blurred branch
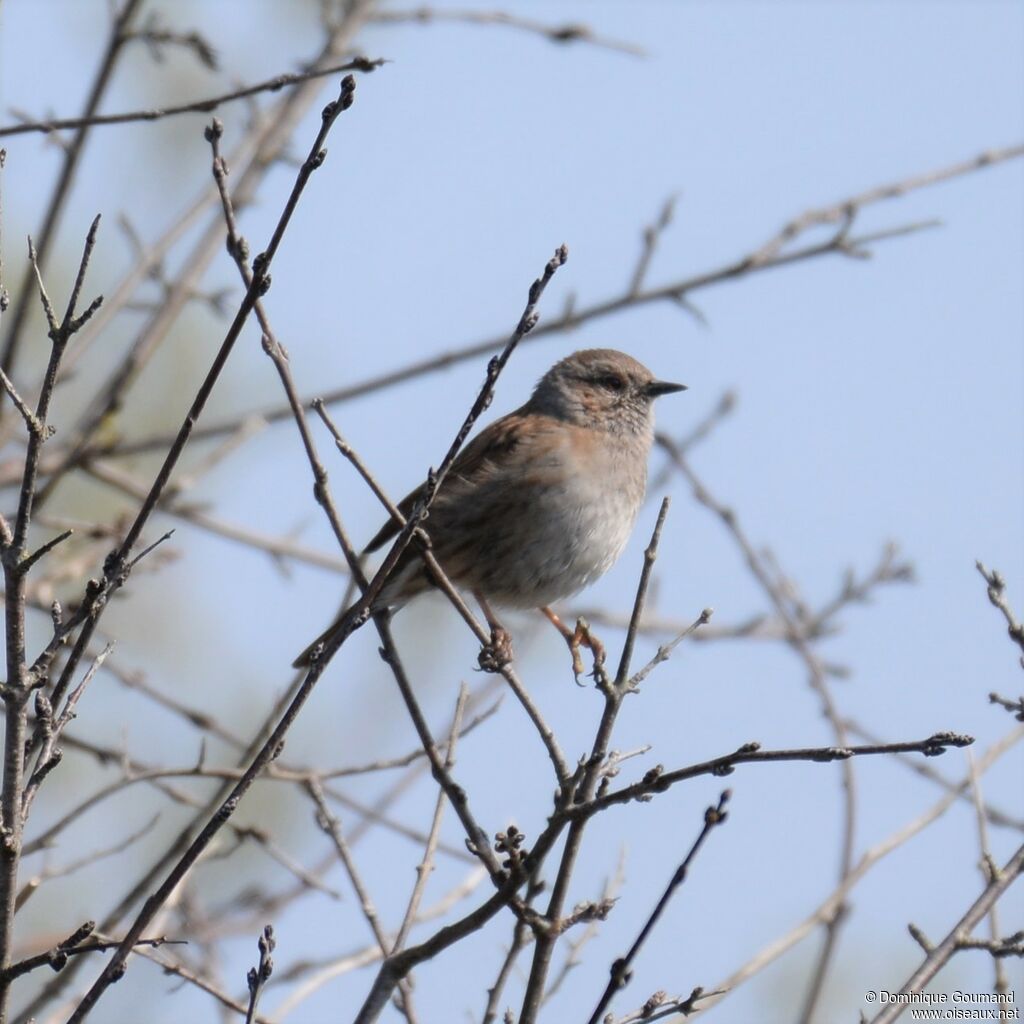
<point>722,410</point>
<point>799,630</point>
<point>339,965</point>
<point>331,827</point>
<point>556,33</point>
<point>426,865</point>
<point>118,562</point>
<point>989,873</point>
<point>926,771</point>
<point>840,243</point>
<point>815,622</point>
<point>651,237</point>
<point>836,901</point>
<point>158,38</point>
<point>32,886</point>
<point>845,210</point>
<point>939,955</point>
<point>280,549</point>
<point>62,189</point>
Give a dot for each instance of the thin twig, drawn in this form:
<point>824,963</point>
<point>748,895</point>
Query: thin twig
<point>996,587</point>
<point>62,189</point>
<point>664,652</point>
<point>657,780</point>
<point>426,865</point>
<point>926,771</point>
<point>331,827</point>
<point>621,968</point>
<point>989,871</point>
<point>589,778</point>
<point>941,953</point>
<point>21,681</point>
<point>74,945</point>
<point>739,268</point>
<point>651,236</point>
<point>203,106</point>
<point>259,975</point>
<point>650,554</point>
<point>836,900</point>
<point>441,581</point>
<point>570,33</point>
<point>119,561</point>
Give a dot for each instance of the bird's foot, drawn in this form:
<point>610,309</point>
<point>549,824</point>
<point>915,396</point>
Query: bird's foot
<point>581,636</point>
<point>494,656</point>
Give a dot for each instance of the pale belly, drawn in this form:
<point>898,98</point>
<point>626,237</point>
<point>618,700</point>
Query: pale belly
<point>564,539</point>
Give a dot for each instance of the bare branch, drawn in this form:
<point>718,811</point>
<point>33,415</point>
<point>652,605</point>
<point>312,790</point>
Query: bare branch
<point>204,106</point>
<point>62,189</point>
<point>556,33</point>
<point>119,562</point>
<point>650,554</point>
<point>74,945</point>
<point>441,581</point>
<point>651,237</point>
<point>587,779</point>
<point>658,780</point>
<point>620,970</point>
<point>996,586</point>
<point>940,954</point>
<point>846,210</point>
<point>258,976</point>
<point>836,900</point>
<point>742,267</point>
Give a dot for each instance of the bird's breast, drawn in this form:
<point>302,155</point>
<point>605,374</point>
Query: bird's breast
<point>576,516</point>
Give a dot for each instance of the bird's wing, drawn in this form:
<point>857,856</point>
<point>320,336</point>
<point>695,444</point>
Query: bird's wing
<point>494,442</point>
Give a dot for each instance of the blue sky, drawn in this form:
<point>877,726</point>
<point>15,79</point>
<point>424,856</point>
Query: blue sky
<point>878,400</point>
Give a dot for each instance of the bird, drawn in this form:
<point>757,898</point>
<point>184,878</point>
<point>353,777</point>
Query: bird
<point>539,504</point>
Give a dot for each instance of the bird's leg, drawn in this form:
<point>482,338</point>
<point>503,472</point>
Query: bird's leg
<point>498,653</point>
<point>575,638</point>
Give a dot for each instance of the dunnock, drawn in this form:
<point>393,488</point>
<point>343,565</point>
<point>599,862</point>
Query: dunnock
<point>541,502</point>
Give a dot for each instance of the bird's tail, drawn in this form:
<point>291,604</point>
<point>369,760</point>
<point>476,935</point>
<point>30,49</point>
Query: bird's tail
<point>337,629</point>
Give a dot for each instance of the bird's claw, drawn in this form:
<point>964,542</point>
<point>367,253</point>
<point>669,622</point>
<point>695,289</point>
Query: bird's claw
<point>494,656</point>
<point>582,637</point>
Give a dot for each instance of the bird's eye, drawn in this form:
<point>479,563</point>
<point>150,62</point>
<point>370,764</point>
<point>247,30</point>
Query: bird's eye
<point>612,382</point>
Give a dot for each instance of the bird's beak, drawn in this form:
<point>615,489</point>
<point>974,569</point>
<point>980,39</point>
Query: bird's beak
<point>663,387</point>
